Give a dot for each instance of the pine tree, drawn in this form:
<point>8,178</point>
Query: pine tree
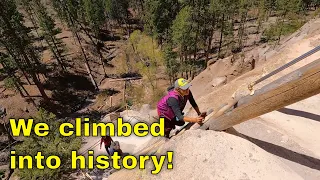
<point>183,37</point>
<point>52,144</point>
<point>27,6</point>
<point>9,68</point>
<point>68,12</point>
<point>243,12</point>
<point>95,17</point>
<point>285,8</point>
<point>158,17</point>
<point>118,11</point>
<point>49,32</point>
<point>171,63</point>
<point>14,37</point>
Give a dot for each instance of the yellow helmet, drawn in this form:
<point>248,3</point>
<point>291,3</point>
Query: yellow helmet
<point>182,84</point>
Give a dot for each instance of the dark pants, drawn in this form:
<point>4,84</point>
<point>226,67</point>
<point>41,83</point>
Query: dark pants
<point>107,149</point>
<point>171,124</point>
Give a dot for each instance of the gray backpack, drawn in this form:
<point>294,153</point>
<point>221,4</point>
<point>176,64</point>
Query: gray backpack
<point>115,145</point>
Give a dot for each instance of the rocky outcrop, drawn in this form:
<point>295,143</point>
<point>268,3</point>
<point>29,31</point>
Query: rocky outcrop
<point>3,112</point>
<point>218,81</point>
<point>213,155</point>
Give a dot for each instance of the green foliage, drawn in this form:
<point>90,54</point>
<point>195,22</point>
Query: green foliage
<point>136,95</point>
<point>171,62</point>
<point>181,28</point>
<point>158,17</point>
<point>2,175</point>
<point>9,83</point>
<point>286,6</point>
<point>8,62</point>
<point>94,14</point>
<point>16,25</point>
<point>317,12</point>
<point>49,31</point>
<point>149,58</point>
<point>68,11</point>
<point>117,10</point>
<point>281,28</point>
<point>52,144</point>
<point>146,48</point>
<point>47,24</point>
<point>15,39</point>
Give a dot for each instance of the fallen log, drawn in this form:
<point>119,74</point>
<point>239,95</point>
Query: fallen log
<point>296,86</point>
<point>125,79</point>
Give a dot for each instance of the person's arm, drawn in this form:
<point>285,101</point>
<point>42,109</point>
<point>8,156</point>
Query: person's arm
<point>174,104</point>
<point>194,104</point>
<point>193,120</point>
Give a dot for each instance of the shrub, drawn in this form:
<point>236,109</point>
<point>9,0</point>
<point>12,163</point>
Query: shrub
<point>285,28</point>
<point>52,144</point>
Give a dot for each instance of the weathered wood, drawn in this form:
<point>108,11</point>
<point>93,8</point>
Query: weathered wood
<point>296,86</point>
<point>215,114</point>
<point>110,101</point>
<point>125,79</point>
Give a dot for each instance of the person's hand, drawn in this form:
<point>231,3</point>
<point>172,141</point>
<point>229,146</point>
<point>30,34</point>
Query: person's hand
<point>203,114</point>
<point>198,120</point>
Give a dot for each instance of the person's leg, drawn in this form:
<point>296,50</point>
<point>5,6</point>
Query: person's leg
<point>179,123</point>
<point>111,151</point>
<point>168,126</point>
<point>107,149</point>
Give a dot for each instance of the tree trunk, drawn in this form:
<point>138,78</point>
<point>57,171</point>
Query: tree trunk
<point>101,59</point>
<point>242,28</point>
<point>281,28</point>
<point>86,63</point>
<point>221,36</point>
<point>36,80</point>
<point>195,52</point>
<point>82,50</point>
<point>186,64</point>
<point>210,41</point>
<point>16,61</point>
<point>180,65</point>
<point>96,45</point>
<point>58,56</point>
<point>33,21</point>
<point>55,54</point>
<point>23,53</point>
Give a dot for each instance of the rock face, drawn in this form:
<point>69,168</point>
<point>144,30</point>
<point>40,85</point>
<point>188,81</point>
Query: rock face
<point>145,109</point>
<point>214,155</point>
<point>2,111</point>
<point>218,81</point>
<point>210,62</point>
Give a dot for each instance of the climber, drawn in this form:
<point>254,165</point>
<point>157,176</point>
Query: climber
<point>170,107</point>
<point>107,142</point>
<point>115,147</point>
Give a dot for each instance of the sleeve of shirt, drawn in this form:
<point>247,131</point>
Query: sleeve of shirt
<point>174,104</point>
<point>192,101</point>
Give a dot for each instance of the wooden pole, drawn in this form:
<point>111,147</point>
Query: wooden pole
<point>110,101</point>
<point>296,86</point>
<point>125,79</point>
